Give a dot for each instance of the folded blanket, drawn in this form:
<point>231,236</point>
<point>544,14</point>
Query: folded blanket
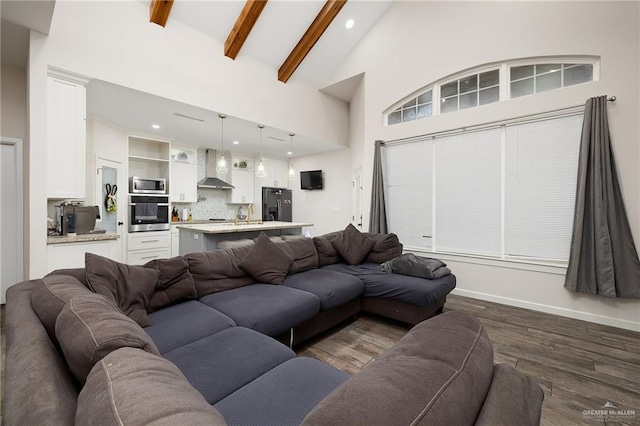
<point>415,266</point>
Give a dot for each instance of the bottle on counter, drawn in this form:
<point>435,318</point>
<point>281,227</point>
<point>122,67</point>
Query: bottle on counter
<point>190,216</point>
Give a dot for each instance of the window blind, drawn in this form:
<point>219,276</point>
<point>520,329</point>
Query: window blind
<point>468,193</point>
<point>541,164</point>
<point>409,181</point>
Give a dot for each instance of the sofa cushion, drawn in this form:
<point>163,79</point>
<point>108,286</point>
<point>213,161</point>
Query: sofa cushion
<point>332,288</point>
<point>439,373</point>
<point>132,387</point>
<point>175,282</point>
<point>266,262</point>
<point>412,290</point>
<point>90,326</point>
<point>50,295</point>
<point>186,322</point>
<point>387,247</point>
<point>218,270</point>
<point>502,404</point>
<point>352,245</point>
<point>37,387</point>
<point>265,308</point>
<point>229,244</point>
<point>304,254</point>
<point>78,273</point>
<point>130,287</point>
<point>219,365</point>
<point>284,395</point>
<point>327,254</point>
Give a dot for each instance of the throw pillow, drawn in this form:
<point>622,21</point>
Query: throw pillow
<point>129,287</point>
<point>266,262</point>
<point>90,326</point>
<point>175,283</point>
<point>352,245</point>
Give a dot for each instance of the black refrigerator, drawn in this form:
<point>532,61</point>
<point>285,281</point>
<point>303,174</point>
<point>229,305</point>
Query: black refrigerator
<point>276,204</point>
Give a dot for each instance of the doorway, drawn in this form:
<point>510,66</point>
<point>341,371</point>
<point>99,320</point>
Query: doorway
<point>11,214</point>
<point>356,216</point>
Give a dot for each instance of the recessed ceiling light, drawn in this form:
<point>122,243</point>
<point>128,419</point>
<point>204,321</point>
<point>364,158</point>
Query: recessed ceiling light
<point>289,153</point>
<point>236,143</point>
<point>349,23</point>
<point>155,126</point>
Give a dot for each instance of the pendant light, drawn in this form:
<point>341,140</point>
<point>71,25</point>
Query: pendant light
<point>292,172</point>
<point>261,172</point>
<point>221,166</point>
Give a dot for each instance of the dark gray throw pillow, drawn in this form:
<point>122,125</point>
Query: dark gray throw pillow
<point>90,326</point>
<point>175,283</point>
<point>352,245</point>
<point>130,287</point>
<point>266,262</point>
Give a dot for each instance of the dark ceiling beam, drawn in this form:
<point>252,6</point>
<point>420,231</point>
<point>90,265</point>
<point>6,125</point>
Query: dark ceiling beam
<point>243,26</point>
<point>159,11</point>
<point>314,32</point>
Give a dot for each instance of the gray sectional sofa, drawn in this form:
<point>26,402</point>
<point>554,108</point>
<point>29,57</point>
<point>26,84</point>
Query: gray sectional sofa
<point>198,339</point>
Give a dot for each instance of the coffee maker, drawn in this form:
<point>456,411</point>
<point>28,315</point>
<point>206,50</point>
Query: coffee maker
<point>76,219</point>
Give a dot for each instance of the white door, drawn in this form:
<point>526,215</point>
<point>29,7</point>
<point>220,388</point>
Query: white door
<point>11,215</point>
<point>110,179</point>
<point>356,216</point>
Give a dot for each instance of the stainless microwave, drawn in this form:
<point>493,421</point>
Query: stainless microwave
<point>139,185</point>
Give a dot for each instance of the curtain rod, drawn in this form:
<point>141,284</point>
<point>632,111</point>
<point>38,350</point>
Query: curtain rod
<point>496,123</point>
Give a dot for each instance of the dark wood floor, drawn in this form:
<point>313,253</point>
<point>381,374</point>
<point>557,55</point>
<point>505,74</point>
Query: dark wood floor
<point>579,365</point>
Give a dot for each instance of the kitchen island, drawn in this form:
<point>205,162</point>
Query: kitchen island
<point>205,237</point>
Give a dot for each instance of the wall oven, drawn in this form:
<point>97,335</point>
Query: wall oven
<point>149,213</point>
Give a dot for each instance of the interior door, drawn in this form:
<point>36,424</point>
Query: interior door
<point>111,185</point>
<point>356,216</point>
<point>11,214</point>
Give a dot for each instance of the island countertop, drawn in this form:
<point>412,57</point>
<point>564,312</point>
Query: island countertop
<point>230,228</point>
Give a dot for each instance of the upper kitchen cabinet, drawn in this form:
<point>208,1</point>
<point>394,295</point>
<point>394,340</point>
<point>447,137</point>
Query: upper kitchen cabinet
<point>184,174</point>
<point>66,135</point>
<point>242,180</point>
<point>148,158</point>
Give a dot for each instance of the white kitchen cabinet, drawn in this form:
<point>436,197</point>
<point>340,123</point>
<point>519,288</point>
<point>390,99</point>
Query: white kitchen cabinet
<point>146,246</point>
<point>71,255</point>
<point>66,135</point>
<point>242,180</point>
<point>184,174</point>
<point>184,180</point>
<point>175,241</point>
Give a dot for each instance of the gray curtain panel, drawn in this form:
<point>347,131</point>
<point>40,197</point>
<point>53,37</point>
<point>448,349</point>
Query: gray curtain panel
<point>378,214</point>
<point>603,257</point>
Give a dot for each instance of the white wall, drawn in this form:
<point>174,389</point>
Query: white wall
<point>417,43</point>
<point>174,62</point>
<point>328,209</point>
<point>14,102</point>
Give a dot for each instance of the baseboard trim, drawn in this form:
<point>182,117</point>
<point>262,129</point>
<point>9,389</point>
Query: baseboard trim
<point>569,313</point>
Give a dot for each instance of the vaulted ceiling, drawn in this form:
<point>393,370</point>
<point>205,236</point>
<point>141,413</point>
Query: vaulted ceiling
<point>305,39</point>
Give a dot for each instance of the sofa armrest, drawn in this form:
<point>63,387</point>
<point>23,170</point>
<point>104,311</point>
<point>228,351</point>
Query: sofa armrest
<point>513,398</point>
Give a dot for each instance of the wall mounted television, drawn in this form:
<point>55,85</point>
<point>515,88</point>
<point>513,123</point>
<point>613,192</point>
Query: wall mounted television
<point>311,179</point>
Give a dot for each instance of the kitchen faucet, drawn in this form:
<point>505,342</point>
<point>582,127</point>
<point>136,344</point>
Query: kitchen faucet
<point>249,212</point>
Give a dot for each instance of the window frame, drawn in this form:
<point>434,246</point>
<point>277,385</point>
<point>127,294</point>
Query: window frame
<point>504,85</point>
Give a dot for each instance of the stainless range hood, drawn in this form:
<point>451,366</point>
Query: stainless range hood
<point>209,181</point>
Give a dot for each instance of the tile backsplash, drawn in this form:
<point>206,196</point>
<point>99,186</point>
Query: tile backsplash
<point>212,203</point>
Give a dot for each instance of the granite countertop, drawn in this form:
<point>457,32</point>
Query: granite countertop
<point>229,228</point>
<point>83,238</point>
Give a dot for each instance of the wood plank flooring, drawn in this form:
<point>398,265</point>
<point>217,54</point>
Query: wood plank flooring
<point>579,365</point>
